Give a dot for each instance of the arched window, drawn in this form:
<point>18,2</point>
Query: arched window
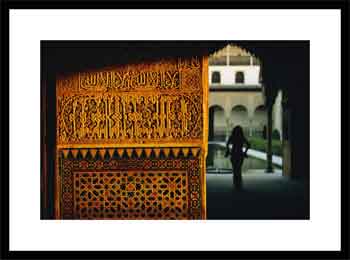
<point>239,77</point>
<point>215,77</point>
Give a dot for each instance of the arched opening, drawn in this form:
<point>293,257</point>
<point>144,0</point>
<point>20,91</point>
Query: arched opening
<point>239,116</point>
<point>217,124</point>
<point>259,121</point>
<point>253,106</point>
<point>215,77</point>
<point>239,79</point>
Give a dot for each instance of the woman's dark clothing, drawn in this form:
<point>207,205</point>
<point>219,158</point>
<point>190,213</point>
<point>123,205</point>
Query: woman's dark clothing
<point>237,157</point>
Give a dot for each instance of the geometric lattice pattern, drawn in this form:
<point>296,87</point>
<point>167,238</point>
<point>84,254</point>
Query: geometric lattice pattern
<point>116,186</point>
<point>130,195</point>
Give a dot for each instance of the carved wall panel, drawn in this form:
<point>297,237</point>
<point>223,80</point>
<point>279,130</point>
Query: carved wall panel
<point>131,141</point>
<point>117,118</point>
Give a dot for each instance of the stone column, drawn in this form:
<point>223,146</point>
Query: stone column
<point>286,137</point>
<point>227,129</point>
<point>251,108</point>
<point>269,168</point>
<point>250,127</point>
<point>227,109</point>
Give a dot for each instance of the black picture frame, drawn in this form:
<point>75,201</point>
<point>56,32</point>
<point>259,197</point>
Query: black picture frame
<point>8,5</point>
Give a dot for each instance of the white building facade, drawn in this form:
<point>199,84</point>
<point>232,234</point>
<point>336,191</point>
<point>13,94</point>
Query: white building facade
<point>236,97</point>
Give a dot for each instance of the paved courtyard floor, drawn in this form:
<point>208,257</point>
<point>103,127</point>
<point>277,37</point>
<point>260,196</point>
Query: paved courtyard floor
<point>264,196</point>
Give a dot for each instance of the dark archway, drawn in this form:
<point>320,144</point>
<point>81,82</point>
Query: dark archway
<point>239,116</point>
<point>259,120</point>
<point>216,123</point>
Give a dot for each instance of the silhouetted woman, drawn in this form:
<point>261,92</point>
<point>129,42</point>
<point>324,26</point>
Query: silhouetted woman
<point>237,140</point>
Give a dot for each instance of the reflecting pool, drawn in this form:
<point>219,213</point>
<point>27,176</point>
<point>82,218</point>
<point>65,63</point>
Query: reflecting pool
<point>216,160</point>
